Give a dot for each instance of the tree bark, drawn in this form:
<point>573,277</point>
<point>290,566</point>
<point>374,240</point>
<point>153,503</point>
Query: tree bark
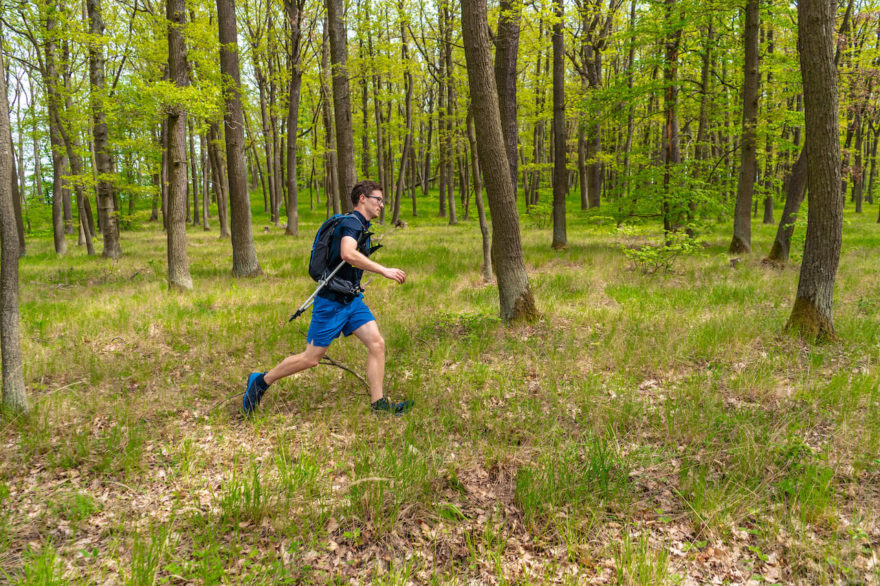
<point>196,190</point>
<point>506,54</point>
<point>560,173</point>
<point>795,190</point>
<point>294,10</point>
<point>178,262</point>
<point>742,220</point>
<point>206,180</point>
<point>107,216</point>
<point>671,149</point>
<point>515,296</point>
<point>14,393</point>
<point>486,270</point>
<point>407,141</point>
<point>56,143</point>
<point>341,103</point>
<point>244,255</point>
<point>812,314</point>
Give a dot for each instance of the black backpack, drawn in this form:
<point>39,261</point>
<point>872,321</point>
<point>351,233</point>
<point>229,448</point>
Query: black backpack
<point>320,259</point>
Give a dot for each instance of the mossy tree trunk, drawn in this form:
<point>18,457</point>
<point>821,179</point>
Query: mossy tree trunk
<point>515,295</point>
<point>812,315</point>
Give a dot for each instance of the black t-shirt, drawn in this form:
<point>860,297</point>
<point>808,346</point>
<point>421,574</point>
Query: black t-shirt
<point>352,225</point>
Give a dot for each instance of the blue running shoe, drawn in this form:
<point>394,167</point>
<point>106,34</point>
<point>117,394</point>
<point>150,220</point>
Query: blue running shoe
<point>253,394</point>
<point>383,405</point>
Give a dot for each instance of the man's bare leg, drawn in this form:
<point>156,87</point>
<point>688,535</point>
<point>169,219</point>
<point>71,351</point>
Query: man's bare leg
<point>372,339</point>
<point>297,363</point>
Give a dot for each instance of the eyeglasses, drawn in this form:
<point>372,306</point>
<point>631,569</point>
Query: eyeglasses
<point>376,197</point>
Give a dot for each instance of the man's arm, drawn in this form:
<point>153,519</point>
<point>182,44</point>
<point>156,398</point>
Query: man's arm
<point>350,254</point>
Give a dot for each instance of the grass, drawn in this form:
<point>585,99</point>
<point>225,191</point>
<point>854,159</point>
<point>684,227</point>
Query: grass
<point>648,428</point>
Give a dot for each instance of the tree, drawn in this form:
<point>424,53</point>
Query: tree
<point>341,102</point>
<point>244,255</point>
<point>812,314</point>
<point>178,263</point>
<point>294,10</point>
<point>515,295</point>
<point>742,219</point>
<point>560,173</point>
<point>14,394</point>
<point>506,54</point>
<point>107,216</point>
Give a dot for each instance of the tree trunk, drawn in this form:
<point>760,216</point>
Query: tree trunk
<point>795,188</point>
<point>486,269</point>
<point>244,255</point>
<point>218,176</point>
<point>515,296</point>
<point>742,221</point>
<point>560,174</point>
<point>341,102</point>
<point>206,181</point>
<point>196,190</point>
<point>16,200</point>
<point>294,11</point>
<point>55,141</point>
<point>14,393</point>
<point>107,215</point>
<point>407,141</point>
<point>506,53</point>
<point>812,314</point>
<point>671,150</point>
<point>178,262</point>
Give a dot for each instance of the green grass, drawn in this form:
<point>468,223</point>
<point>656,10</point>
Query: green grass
<point>648,427</point>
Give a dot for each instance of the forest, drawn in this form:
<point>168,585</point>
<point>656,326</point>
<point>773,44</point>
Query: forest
<point>640,324</point>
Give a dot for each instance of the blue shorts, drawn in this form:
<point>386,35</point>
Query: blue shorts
<point>331,318</point>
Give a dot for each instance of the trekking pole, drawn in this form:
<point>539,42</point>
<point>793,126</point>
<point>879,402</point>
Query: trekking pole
<point>321,284</point>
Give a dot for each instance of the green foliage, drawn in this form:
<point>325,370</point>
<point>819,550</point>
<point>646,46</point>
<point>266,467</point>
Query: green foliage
<point>650,259</point>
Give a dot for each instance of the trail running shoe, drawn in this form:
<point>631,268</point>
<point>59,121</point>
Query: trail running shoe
<point>253,393</point>
<point>383,405</point>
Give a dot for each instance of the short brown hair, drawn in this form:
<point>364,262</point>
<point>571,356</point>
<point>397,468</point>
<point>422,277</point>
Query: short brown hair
<point>365,187</point>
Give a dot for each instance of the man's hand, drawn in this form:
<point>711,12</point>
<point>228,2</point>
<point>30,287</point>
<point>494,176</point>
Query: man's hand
<point>394,275</point>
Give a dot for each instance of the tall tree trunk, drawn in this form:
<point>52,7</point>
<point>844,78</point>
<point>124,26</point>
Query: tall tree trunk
<point>560,173</point>
<point>218,175</point>
<point>178,262</point>
<point>486,269</point>
<point>14,393</point>
<point>294,11</point>
<point>742,221</point>
<point>244,255</point>
<point>515,296</point>
<point>55,140</point>
<point>450,115</point>
<point>506,53</point>
<point>671,150</point>
<point>407,141</point>
<point>341,102</point>
<point>331,187</point>
<point>812,314</point>
<point>107,215</point>
<point>196,191</point>
<point>206,181</point>
<point>795,188</point>
<point>16,201</point>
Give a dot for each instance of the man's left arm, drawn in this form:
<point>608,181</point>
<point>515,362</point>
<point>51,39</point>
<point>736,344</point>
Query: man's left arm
<point>349,252</point>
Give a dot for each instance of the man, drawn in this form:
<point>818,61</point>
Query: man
<point>336,312</point>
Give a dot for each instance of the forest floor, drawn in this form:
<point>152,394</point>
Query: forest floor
<point>648,428</point>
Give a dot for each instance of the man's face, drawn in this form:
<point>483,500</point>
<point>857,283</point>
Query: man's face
<point>374,203</point>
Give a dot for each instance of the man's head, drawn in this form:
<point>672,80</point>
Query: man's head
<point>368,195</point>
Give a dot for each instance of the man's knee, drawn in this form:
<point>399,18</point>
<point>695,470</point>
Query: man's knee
<point>376,344</point>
